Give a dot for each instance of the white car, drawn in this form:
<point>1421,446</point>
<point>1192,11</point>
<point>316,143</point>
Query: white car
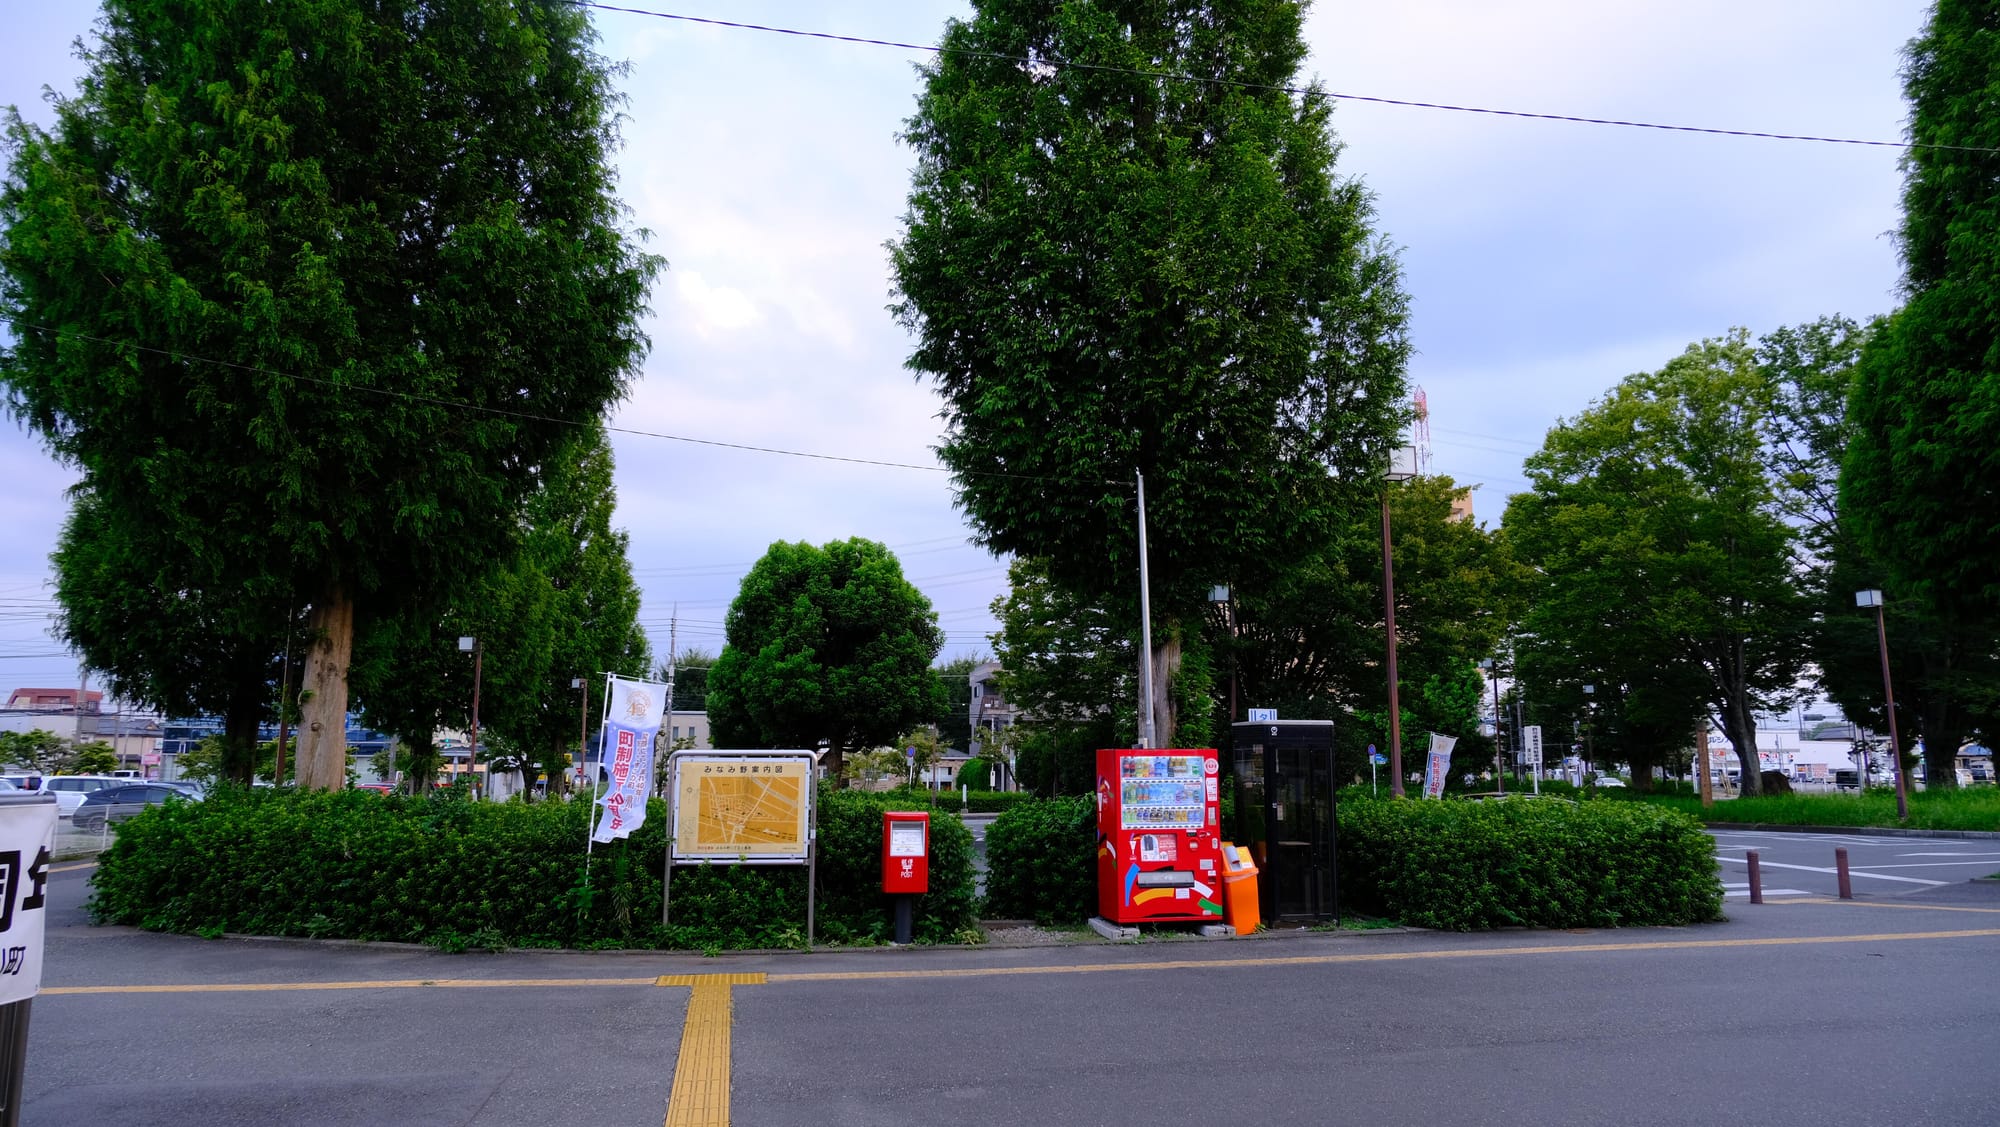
<point>70,790</point>
<point>1609,781</point>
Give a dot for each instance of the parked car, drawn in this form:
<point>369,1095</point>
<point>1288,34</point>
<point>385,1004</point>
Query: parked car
<point>115,804</point>
<point>1608,781</point>
<point>27,782</point>
<point>71,790</point>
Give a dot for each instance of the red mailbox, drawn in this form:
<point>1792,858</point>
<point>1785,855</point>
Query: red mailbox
<point>906,848</point>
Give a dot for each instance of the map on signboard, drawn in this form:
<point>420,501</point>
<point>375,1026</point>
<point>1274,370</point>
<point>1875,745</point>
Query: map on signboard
<point>753,808</point>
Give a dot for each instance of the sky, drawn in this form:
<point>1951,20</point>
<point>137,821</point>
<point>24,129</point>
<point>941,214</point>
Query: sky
<point>1545,260</point>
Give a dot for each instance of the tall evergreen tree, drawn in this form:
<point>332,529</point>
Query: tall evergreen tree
<point>317,288</point>
<point>1917,479</point>
<point>1127,250</point>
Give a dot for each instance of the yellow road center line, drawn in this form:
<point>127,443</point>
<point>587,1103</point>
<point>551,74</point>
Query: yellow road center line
<point>1381,957</point>
<point>74,868</point>
<point>748,979</point>
<point>700,1096</point>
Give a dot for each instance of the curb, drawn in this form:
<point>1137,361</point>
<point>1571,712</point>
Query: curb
<point>1857,831</point>
<point>1077,939</point>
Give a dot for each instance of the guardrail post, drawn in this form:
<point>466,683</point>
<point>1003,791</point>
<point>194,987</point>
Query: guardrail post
<point>1840,867</point>
<point>1756,877</point>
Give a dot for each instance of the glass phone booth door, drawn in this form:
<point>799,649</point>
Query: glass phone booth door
<point>1285,814</point>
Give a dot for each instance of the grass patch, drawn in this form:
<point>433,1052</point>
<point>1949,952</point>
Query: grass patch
<point>1971,808</point>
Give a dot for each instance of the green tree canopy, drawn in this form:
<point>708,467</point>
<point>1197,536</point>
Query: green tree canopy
<point>318,289</point>
<point>560,606</point>
<point>1916,483</point>
<point>825,643</point>
<point>1664,565</point>
<point>1132,253</point>
<point>131,604</point>
<point>1946,667</point>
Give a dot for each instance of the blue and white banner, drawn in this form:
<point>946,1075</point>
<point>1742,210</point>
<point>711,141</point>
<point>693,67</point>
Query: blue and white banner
<point>631,725</point>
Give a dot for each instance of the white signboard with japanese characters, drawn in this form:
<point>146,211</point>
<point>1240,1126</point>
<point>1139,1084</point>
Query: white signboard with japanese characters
<point>27,837</point>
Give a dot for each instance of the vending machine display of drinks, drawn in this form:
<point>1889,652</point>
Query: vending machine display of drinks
<point>1159,845</point>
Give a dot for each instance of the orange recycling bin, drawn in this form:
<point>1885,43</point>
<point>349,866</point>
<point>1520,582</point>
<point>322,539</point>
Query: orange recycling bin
<point>1239,889</point>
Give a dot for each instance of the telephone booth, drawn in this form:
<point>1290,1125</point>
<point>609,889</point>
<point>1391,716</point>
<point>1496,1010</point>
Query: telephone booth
<point>1285,814</point>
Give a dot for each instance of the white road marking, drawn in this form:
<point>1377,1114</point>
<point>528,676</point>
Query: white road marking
<point>1819,869</point>
<point>1948,854</point>
<point>1934,864</point>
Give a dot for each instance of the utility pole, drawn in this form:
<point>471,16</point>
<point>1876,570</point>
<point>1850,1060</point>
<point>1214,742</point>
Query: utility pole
<point>1146,733</point>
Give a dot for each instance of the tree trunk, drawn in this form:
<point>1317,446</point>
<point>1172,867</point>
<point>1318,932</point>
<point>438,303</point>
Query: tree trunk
<point>323,713</point>
<point>1166,663</point>
<point>239,732</point>
<point>1942,732</point>
<point>1740,729</point>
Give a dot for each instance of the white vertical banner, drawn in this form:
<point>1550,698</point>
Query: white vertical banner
<point>1438,765</point>
<point>27,836</point>
<point>631,727</point>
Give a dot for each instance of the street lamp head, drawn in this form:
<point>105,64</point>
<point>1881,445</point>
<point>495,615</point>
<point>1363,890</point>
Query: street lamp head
<point>1402,464</point>
<point>1868,598</point>
<point>466,643</point>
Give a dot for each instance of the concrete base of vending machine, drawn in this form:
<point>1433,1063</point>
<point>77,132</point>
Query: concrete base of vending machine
<point>1117,933</point>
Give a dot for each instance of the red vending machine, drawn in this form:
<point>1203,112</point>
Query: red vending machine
<point>1159,849</point>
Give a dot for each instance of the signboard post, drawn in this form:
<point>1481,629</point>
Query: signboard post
<point>27,838</point>
<point>1531,753</point>
<point>743,808</point>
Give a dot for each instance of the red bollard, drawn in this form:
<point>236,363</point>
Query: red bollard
<point>1756,877</point>
<point>1840,867</point>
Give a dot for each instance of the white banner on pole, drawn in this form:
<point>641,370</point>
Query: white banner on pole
<point>631,726</point>
<point>27,837</point>
<point>1438,765</point>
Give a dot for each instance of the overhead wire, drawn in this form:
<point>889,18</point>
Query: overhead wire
<point>1295,91</point>
<point>393,393</point>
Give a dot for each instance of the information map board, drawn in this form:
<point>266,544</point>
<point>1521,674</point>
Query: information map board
<point>747,807</point>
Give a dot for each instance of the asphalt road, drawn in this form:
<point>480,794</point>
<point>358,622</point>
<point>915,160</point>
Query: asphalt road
<point>1803,1011</point>
<point>1797,864</point>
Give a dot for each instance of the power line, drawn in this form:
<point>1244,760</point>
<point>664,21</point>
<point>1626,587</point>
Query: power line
<point>1303,92</point>
<point>185,357</point>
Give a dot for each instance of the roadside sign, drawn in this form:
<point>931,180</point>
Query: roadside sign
<point>1263,715</point>
<point>27,837</point>
<point>1531,746</point>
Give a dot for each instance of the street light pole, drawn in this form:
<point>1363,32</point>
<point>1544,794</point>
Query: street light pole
<point>1499,771</point>
<point>1873,598</point>
<point>1589,722</point>
<point>472,751</point>
<point>1406,455</point>
<point>582,726</point>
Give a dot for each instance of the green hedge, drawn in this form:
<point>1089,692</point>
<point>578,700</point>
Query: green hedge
<point>1041,861</point>
<point>1465,866</point>
<point>948,801</point>
<point>453,873</point>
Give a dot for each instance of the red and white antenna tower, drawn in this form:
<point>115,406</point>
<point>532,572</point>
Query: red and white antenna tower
<point>1420,431</point>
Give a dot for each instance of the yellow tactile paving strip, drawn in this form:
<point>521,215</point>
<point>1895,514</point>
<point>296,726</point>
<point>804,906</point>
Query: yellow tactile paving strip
<point>701,1072</point>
